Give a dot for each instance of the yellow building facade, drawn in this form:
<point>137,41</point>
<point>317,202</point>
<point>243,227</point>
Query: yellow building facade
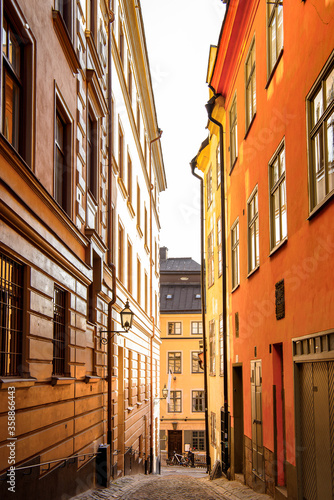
<point>210,162</point>
<point>182,419</point>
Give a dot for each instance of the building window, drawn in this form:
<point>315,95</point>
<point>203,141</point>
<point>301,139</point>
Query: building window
<point>198,401</point>
<point>212,347</point>
<point>92,19</point>
<point>209,188</point>
<point>92,143</point>
<point>274,31</point>
<point>138,281</point>
<point>218,165</point>
<point>145,227</point>
<point>235,254</point>
<point>213,428</point>
<point>18,68</point>
<point>120,251</point>
<point>278,217</point>
<point>129,267</point>
<point>321,135</point>
<point>196,328</point>
<point>65,9</point>
<point>195,367</point>
<point>121,42</point>
<point>220,246</point>
<point>175,405</point>
<point>138,116</point>
<point>233,132</point>
<point>146,291</point>
<point>253,231</point>
<point>221,345</point>
<point>129,178</point>
<point>211,269</point>
<point>62,172</point>
<point>174,328</point>
<point>120,151</point>
<point>130,80</point>
<point>250,85</point>
<point>198,440</point>
<point>59,331</point>
<point>11,316</point>
<point>174,362</point>
<point>138,206</point>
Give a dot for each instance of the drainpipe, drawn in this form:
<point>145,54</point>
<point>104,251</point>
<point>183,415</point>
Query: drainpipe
<point>110,230</point>
<point>193,165</point>
<point>225,448</point>
<point>151,295</point>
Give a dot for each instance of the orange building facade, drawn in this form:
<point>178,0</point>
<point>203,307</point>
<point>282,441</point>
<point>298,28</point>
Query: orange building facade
<point>79,236</point>
<point>274,74</point>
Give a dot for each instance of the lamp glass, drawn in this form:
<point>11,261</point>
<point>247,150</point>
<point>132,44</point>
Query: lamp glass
<point>164,392</point>
<point>126,317</point>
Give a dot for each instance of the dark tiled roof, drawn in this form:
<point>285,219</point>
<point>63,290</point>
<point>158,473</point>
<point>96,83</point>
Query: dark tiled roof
<point>181,264</point>
<point>183,298</point>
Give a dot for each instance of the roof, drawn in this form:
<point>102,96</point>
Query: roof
<point>180,264</point>
<point>180,298</point>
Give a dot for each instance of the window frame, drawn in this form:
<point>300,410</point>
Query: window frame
<point>198,439</point>
<point>172,361</point>
<point>220,246</point>
<point>27,106</point>
<point>209,192</point>
<point>233,122</point>
<point>221,345</point>
<point>211,262</point>
<point>273,187</point>
<point>12,291</point>
<point>64,341</point>
<point>199,327</point>
<point>212,347</point>
<point>271,65</point>
<point>313,129</point>
<point>235,257</point>
<point>200,398</point>
<point>175,396</point>
<point>179,323</point>
<point>253,221</point>
<point>195,362</point>
<point>62,112</point>
<point>250,82</point>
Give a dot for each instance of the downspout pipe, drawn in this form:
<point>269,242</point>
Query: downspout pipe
<point>110,228</point>
<point>225,448</point>
<point>193,165</point>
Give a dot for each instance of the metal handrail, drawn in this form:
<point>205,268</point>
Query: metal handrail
<point>58,460</point>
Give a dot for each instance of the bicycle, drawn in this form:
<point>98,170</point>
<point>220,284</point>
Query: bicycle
<point>180,460</point>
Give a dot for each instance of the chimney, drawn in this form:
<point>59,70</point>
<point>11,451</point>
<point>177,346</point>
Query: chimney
<point>163,253</point>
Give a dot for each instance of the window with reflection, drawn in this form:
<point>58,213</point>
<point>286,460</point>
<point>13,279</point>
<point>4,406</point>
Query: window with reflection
<point>278,217</point>
<point>250,85</point>
<point>253,231</point>
<point>233,132</point>
<point>321,136</point>
<point>274,31</point>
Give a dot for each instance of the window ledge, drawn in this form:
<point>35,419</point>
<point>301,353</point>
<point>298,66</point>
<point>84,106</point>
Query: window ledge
<point>6,382</point>
<point>139,403</point>
<point>140,232</point>
<point>130,408</point>
<point>146,400</point>
<point>131,210</point>
<point>92,379</point>
<point>58,380</point>
<point>122,187</point>
<point>234,163</point>
<point>235,288</point>
<point>65,41</point>
<point>147,250</point>
<point>320,205</point>
<point>278,246</point>
<point>250,126</point>
<point>270,77</point>
<point>253,271</point>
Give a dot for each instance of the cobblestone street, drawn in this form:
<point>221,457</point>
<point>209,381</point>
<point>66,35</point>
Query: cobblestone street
<point>174,483</point>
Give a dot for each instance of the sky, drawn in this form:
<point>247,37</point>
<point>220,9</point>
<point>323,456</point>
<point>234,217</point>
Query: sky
<point>178,36</point>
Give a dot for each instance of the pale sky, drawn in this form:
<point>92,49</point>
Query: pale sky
<point>178,35</point>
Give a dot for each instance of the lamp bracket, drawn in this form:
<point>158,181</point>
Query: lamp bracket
<point>105,340</point>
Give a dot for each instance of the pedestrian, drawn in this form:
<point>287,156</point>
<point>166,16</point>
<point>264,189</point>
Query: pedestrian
<point>191,457</point>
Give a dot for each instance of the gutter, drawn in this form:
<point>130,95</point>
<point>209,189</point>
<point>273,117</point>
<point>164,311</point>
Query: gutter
<point>193,165</point>
<point>225,431</point>
<point>110,232</point>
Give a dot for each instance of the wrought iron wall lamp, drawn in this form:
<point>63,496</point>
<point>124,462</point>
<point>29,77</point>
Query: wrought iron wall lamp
<point>126,322</point>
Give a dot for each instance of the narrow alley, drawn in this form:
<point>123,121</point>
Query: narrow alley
<point>176,483</point>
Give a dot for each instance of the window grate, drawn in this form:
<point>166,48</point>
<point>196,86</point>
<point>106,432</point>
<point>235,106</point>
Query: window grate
<point>11,314</point>
<point>59,324</point>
